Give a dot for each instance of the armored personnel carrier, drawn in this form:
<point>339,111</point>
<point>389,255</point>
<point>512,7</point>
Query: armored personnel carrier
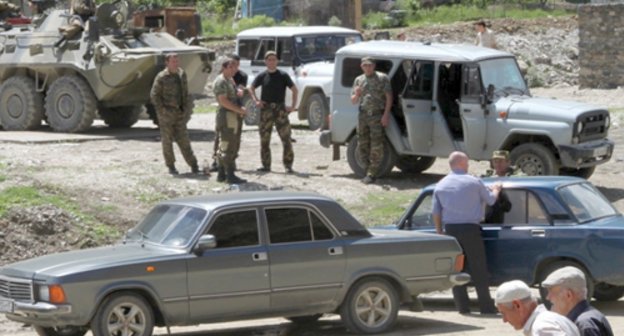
<point>101,66</point>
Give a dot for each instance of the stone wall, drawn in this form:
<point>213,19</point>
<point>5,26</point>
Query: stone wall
<point>601,45</point>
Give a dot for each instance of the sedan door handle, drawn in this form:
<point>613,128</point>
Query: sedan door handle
<point>538,233</point>
<point>259,256</point>
<point>467,110</point>
<point>335,250</point>
<point>410,106</point>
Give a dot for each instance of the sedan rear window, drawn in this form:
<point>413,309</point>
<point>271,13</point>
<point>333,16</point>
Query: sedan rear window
<point>585,202</point>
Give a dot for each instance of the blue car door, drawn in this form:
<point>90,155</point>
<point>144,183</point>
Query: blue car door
<point>514,246</point>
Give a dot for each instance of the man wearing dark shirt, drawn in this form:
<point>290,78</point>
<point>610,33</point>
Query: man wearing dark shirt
<point>273,110</point>
<point>567,291</point>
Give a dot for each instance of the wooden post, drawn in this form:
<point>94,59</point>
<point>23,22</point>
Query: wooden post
<point>357,14</point>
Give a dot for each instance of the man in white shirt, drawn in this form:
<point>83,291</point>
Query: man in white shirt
<point>520,309</point>
<point>485,37</point>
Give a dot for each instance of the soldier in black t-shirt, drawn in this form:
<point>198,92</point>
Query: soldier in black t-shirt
<point>240,80</point>
<point>274,111</point>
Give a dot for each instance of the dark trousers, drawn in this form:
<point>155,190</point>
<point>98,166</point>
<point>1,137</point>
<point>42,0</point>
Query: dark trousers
<point>469,237</point>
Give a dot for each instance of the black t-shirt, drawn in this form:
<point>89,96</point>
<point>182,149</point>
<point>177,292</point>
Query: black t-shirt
<point>240,78</point>
<point>273,86</point>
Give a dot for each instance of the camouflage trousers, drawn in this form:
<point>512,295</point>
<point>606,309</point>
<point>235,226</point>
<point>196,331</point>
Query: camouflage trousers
<point>172,124</point>
<point>370,142</point>
<point>229,135</point>
<point>270,115</point>
<point>215,148</point>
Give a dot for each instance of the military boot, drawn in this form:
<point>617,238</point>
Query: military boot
<point>220,173</point>
<point>233,179</point>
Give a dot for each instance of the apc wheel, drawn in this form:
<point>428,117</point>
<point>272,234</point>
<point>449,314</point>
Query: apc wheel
<point>560,264</point>
<point>535,159</point>
<point>21,105</point>
<point>61,331</point>
<point>605,292</point>
<point>317,111</point>
<point>413,164</point>
<point>359,167</point>
<point>585,173</point>
<point>120,117</point>
<point>123,314</point>
<point>370,307</point>
<point>304,319</point>
<point>252,117</point>
<point>70,104</point>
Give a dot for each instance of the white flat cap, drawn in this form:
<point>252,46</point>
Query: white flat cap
<point>512,290</point>
<point>568,277</point>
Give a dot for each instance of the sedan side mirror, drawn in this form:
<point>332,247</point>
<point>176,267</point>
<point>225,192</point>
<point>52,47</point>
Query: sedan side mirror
<point>205,242</point>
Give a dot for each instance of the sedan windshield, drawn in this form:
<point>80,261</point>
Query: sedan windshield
<point>585,202</point>
<point>169,224</point>
<point>504,75</point>
<point>322,47</point>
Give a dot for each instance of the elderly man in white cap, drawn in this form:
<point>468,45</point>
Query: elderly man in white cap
<point>567,291</point>
<point>520,309</point>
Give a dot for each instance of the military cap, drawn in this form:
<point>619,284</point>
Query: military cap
<point>500,154</point>
<point>368,60</point>
<point>512,290</point>
<point>270,53</point>
<point>568,277</point>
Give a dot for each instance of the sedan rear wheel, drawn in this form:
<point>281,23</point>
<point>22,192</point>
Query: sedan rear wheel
<point>545,272</point>
<point>371,306</point>
<point>123,314</point>
<point>606,292</point>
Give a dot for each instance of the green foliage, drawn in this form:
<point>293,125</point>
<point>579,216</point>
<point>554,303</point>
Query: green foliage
<point>376,20</point>
<point>334,21</point>
<point>219,7</point>
<point>30,196</point>
<point>256,21</point>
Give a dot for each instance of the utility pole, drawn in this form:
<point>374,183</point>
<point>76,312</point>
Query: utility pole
<point>357,18</point>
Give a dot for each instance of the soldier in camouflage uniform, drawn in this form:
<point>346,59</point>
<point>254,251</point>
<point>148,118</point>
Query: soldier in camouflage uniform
<point>83,8</point>
<point>373,93</point>
<point>274,111</point>
<point>501,167</point>
<point>229,117</point>
<point>8,9</point>
<point>174,107</point>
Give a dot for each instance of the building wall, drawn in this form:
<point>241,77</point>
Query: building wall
<point>318,12</point>
<point>601,47</point>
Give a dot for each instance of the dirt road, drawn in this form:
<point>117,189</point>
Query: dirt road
<point>119,175</point>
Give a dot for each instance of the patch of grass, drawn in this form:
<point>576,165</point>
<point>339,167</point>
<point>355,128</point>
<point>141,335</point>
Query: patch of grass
<point>150,198</point>
<point>382,208</point>
<point>450,14</point>
<point>30,196</point>
<point>205,109</point>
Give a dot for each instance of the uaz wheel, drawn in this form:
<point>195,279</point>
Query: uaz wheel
<point>535,159</point>
<point>359,167</point>
<point>61,331</point>
<point>317,111</point>
<point>370,307</point>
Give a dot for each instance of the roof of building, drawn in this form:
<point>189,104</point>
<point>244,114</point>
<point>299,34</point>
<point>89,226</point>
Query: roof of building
<point>295,30</point>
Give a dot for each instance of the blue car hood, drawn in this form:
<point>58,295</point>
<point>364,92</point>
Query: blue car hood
<point>59,264</point>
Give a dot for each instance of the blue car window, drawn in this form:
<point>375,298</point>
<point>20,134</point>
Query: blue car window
<point>421,218</point>
<point>236,229</point>
<point>525,209</point>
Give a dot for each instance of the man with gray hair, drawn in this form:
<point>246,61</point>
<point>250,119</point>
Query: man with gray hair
<point>519,308</point>
<point>458,204</point>
<point>567,291</point>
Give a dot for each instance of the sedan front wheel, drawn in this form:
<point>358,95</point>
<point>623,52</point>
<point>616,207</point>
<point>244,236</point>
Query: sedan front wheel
<point>371,306</point>
<point>125,314</point>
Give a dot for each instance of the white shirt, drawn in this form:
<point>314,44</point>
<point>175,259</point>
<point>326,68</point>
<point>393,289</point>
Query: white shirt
<point>486,39</point>
<point>543,322</point>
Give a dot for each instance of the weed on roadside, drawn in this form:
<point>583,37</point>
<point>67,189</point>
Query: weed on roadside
<point>381,208</point>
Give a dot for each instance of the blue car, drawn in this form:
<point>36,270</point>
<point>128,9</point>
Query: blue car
<point>553,222</point>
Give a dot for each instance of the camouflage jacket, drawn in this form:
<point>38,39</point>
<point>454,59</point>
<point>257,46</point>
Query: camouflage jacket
<point>170,91</point>
<point>511,171</point>
<point>224,86</point>
<point>374,89</point>
<point>8,7</point>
